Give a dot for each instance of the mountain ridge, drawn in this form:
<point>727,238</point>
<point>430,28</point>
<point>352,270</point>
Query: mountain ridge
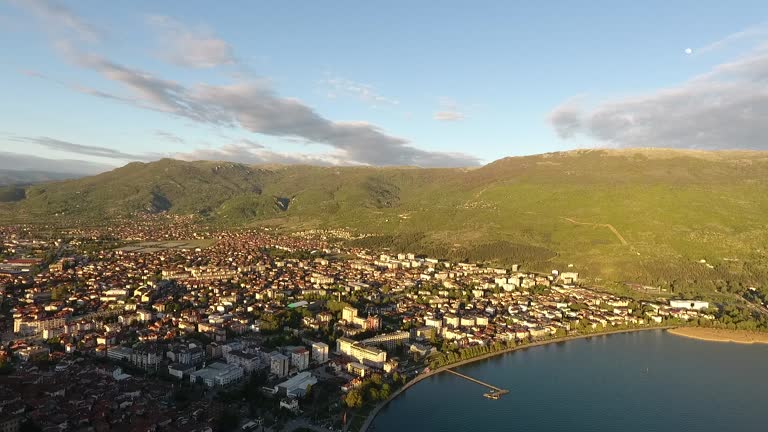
<point>672,208</point>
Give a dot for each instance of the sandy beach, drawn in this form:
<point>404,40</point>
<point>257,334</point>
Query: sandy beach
<point>721,335</point>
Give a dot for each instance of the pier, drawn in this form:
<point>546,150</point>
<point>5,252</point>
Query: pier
<point>495,392</point>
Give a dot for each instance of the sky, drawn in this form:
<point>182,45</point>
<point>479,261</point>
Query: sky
<point>87,85</point>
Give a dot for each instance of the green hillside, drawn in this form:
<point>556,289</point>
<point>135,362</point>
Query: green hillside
<point>645,216</point>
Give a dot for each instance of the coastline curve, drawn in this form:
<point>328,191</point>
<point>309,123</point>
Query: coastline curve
<point>372,415</point>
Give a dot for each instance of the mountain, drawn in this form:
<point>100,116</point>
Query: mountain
<point>18,177</point>
<point>13,163</point>
<point>638,215</point>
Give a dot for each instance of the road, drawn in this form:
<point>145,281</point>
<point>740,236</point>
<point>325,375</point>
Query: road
<point>303,423</point>
<point>609,226</point>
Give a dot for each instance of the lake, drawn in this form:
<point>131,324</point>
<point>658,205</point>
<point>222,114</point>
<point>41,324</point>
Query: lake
<point>642,381</point>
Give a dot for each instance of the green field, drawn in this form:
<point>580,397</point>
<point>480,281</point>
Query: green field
<point>645,216</point>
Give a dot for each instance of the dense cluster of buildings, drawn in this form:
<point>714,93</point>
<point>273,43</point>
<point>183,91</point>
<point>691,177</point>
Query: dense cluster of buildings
<point>204,315</point>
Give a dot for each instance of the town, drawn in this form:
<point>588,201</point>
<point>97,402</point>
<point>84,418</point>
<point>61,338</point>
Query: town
<point>157,325</point>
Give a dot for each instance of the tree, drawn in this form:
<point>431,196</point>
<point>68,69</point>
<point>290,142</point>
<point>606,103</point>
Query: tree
<point>229,420</point>
<point>373,393</point>
<point>385,391</point>
<point>29,426</point>
<point>354,399</point>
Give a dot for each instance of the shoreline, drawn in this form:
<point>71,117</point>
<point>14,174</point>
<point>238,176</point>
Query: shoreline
<point>721,335</point>
<point>372,415</point>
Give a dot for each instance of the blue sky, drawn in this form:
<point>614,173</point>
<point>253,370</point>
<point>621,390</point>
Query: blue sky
<point>381,83</point>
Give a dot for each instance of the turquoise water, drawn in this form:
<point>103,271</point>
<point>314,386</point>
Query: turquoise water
<point>643,381</point>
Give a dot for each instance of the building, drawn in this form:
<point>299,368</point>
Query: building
<point>11,424</point>
<point>319,352</point>
<point>187,356</point>
<point>452,320</point>
<point>364,354</point>
<point>349,314</point>
<point>248,361</point>
<point>689,304</point>
<point>372,323</point>
<point>290,404</point>
<point>178,370</point>
<point>433,322</point>
<point>278,364</point>
<point>300,358</point>
<point>358,369</point>
<point>217,375</point>
<point>296,386</point>
<point>147,357</point>
<point>119,353</point>
<point>388,340</point>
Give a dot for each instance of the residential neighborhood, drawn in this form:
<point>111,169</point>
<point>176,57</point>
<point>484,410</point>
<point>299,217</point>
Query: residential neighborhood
<point>171,328</point>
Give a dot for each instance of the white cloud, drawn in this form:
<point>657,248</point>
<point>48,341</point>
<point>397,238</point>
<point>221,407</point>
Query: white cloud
<point>449,116</point>
<point>62,17</point>
<point>449,111</point>
<point>249,152</point>
<point>168,136</point>
<point>250,104</point>
<point>364,92</point>
<point>254,106</point>
<point>750,33</point>
<point>191,47</point>
<point>726,108</point>
<point>85,150</point>
<point>24,162</point>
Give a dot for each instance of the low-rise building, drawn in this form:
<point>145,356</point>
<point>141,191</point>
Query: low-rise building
<point>297,385</point>
<point>217,375</point>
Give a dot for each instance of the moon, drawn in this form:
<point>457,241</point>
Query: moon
<point>688,51</point>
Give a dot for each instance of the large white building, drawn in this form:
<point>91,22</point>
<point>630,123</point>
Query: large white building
<point>689,304</point>
<point>388,340</point>
<point>217,374</point>
<point>319,352</point>
<point>364,354</point>
<point>296,386</point>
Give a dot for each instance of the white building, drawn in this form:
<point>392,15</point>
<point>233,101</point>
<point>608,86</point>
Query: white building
<point>300,358</point>
<point>368,355</point>
<point>319,352</point>
<point>217,374</point>
<point>433,322</point>
<point>348,314</point>
<point>119,353</point>
<point>689,304</point>
<point>296,386</point>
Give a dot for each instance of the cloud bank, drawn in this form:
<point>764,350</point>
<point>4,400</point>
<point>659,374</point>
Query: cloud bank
<point>254,106</point>
<point>725,108</point>
<point>248,103</point>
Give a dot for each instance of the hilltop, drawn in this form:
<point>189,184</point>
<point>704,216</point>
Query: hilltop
<point>640,215</point>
